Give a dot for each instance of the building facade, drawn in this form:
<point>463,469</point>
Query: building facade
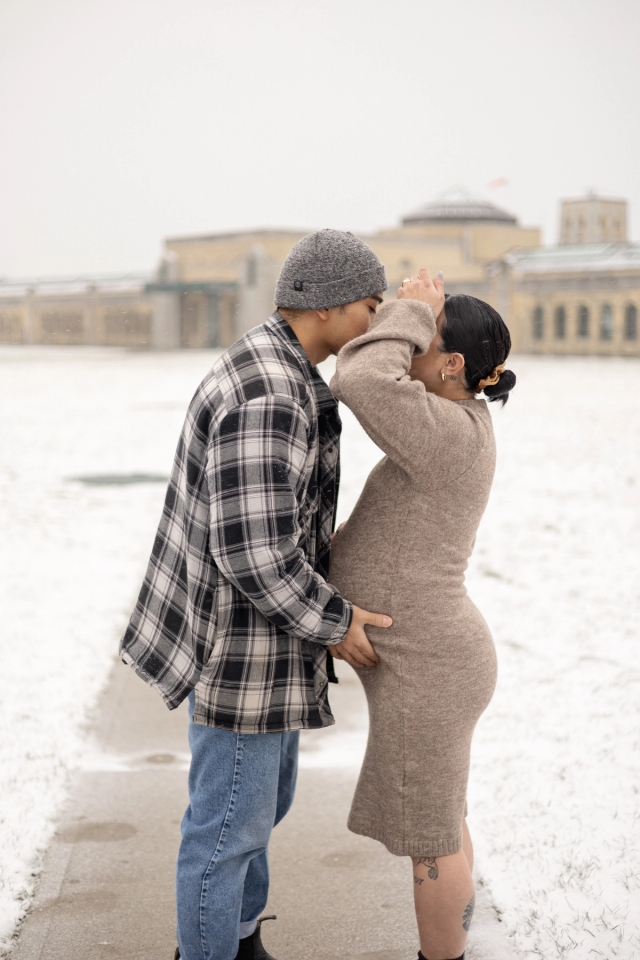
<point>112,311</point>
<point>137,311</point>
<point>458,233</point>
<point>593,219</point>
<point>580,297</point>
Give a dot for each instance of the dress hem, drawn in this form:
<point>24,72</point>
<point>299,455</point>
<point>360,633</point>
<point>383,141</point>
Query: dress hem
<point>408,848</point>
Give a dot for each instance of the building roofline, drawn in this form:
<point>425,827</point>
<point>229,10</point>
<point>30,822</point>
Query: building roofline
<point>593,196</point>
<point>78,278</point>
<point>76,283</point>
<point>257,232</point>
<point>619,256</point>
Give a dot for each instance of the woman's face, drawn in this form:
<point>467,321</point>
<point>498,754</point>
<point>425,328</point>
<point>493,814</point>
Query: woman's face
<point>429,368</point>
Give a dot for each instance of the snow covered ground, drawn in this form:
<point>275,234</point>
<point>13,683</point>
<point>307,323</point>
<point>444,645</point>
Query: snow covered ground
<point>555,792</point>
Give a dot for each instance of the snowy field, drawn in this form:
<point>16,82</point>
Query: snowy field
<point>554,798</point>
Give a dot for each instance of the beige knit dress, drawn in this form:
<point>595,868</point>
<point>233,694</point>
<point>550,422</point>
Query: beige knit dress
<point>403,552</point>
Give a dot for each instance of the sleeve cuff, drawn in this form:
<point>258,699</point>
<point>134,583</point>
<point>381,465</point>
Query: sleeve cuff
<point>410,320</point>
<point>340,631</point>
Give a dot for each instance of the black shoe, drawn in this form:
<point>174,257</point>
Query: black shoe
<point>250,948</point>
<point>422,957</point>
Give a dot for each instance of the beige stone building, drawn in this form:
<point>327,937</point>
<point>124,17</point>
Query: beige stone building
<point>108,311</point>
<point>593,219</point>
<point>141,311</point>
<point>458,233</point>
<point>582,296</point>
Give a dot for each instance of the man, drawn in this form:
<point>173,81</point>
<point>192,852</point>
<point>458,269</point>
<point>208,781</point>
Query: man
<point>235,611</point>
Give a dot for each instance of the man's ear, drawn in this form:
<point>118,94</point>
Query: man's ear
<point>323,314</point>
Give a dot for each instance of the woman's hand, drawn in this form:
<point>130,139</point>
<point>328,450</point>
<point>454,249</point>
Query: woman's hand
<point>425,289</point>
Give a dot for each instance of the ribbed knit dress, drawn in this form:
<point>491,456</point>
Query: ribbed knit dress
<point>404,552</point>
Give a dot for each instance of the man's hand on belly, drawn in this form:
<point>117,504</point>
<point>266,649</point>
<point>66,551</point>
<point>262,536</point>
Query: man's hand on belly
<point>356,648</point>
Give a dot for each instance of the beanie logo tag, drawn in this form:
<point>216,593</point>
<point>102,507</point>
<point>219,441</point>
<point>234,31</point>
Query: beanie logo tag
<point>297,285</point>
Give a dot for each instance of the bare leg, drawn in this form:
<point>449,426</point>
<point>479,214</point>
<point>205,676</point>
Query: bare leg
<point>467,846</point>
<point>444,901</point>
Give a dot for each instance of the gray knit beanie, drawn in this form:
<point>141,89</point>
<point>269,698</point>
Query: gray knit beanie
<point>327,269</point>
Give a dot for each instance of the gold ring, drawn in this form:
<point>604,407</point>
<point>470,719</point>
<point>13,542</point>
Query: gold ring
<point>406,280</point>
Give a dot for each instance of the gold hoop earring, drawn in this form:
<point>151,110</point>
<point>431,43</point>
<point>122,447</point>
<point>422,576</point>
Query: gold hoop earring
<point>444,376</point>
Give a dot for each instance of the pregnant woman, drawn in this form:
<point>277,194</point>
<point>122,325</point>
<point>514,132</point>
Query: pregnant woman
<point>412,383</point>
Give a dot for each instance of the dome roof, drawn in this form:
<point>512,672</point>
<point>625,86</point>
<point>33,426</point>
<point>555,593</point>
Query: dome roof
<point>457,205</point>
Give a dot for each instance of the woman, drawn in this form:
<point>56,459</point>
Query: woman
<point>412,383</point>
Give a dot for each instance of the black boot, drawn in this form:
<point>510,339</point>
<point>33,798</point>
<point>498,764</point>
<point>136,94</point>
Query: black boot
<point>250,948</point>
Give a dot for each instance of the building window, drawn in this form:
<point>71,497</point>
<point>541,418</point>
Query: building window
<point>124,327</point>
<point>631,322</point>
<point>10,327</point>
<point>583,321</point>
<point>606,322</point>
<point>538,323</point>
<point>560,323</point>
<point>62,326</point>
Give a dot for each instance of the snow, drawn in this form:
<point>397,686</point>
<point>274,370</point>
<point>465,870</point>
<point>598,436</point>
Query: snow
<point>554,795</point>
<point>72,557</point>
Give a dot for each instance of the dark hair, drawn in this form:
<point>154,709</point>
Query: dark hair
<point>477,331</point>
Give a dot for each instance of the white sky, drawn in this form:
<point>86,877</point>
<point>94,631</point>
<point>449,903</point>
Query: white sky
<point>126,121</point>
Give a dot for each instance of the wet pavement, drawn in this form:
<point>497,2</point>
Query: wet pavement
<point>107,887</point>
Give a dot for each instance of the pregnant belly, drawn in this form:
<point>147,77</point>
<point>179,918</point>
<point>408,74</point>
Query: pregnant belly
<point>405,582</point>
<point>356,574</point>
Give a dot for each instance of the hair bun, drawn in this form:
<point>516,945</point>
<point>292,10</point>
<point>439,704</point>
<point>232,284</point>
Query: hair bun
<point>506,383</point>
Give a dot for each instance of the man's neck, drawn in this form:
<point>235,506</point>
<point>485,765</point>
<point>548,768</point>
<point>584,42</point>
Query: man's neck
<point>309,336</point>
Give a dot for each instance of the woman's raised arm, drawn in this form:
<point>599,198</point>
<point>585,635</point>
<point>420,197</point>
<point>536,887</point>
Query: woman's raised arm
<point>428,436</point>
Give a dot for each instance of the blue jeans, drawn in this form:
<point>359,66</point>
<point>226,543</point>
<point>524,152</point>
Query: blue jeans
<point>240,786</point>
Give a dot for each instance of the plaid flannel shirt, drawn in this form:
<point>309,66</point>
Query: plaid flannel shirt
<point>235,602</point>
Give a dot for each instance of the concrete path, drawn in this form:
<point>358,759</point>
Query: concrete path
<point>106,892</point>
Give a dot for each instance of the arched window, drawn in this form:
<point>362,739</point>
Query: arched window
<point>560,323</point>
<point>538,323</point>
<point>631,322</point>
<point>606,322</point>
<point>583,321</point>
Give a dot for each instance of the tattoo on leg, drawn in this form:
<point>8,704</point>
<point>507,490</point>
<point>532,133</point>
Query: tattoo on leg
<point>418,880</point>
<point>468,913</point>
<point>432,866</point>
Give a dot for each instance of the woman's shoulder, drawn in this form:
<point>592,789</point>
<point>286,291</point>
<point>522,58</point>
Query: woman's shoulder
<point>463,437</point>
<point>472,413</point>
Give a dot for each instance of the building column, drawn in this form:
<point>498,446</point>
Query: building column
<point>30,316</point>
<point>257,290</point>
<point>213,320</point>
<point>92,315</point>
<point>165,320</point>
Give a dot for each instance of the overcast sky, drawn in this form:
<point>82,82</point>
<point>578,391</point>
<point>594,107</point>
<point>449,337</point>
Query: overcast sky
<point>126,121</point>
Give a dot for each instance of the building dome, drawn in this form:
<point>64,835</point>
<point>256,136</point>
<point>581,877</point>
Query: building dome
<point>458,205</point>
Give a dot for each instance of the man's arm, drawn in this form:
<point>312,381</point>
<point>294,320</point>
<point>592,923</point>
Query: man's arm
<point>255,470</point>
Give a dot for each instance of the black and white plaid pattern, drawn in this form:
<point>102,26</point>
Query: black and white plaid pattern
<point>235,602</point>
